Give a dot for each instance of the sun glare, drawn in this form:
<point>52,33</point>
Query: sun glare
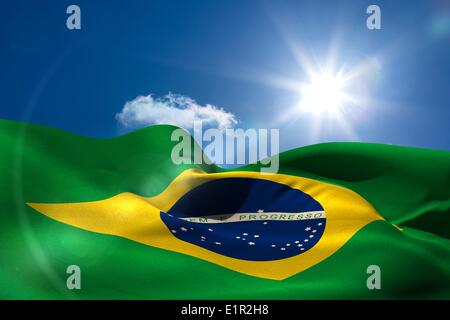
<point>328,96</point>
<point>324,94</point>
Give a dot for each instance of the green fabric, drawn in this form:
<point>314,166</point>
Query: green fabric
<point>409,187</point>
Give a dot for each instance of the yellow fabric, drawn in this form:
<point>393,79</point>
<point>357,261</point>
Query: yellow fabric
<point>138,218</point>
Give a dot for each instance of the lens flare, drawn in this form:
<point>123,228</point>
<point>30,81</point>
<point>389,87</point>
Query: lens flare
<point>324,93</point>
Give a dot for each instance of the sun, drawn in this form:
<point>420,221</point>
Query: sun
<point>326,97</point>
<point>325,93</point>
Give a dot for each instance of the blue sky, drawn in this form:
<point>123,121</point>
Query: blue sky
<point>229,54</point>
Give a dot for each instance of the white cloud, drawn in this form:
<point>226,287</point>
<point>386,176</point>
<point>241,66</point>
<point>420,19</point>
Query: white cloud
<point>173,109</point>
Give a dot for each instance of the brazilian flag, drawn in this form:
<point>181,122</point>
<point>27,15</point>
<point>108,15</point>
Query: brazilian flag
<point>338,221</point>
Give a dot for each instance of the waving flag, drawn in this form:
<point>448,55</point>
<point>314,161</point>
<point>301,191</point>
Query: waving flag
<point>139,226</point>
<point>215,217</point>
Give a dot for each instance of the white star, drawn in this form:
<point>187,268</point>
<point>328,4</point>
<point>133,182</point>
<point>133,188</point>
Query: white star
<point>174,231</point>
<point>202,237</point>
<point>302,249</point>
<point>183,229</point>
<point>265,222</point>
<point>245,234</point>
<point>238,237</point>
<point>256,236</point>
<point>192,228</point>
<point>273,246</point>
<point>260,211</point>
<point>209,229</point>
<point>288,244</point>
<point>300,245</point>
<point>311,236</point>
<point>307,229</point>
<point>218,243</point>
<point>319,224</point>
<point>283,249</point>
<point>306,240</point>
<point>243,238</point>
<point>251,243</point>
<point>297,241</point>
<point>314,231</point>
